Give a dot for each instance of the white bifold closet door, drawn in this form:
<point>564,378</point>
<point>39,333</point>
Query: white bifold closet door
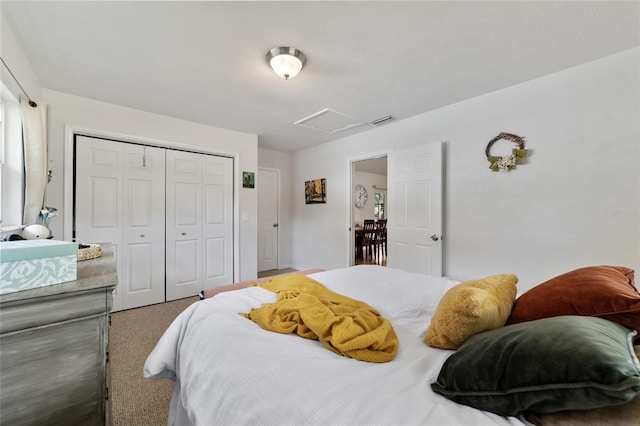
<point>120,198</point>
<point>168,214</point>
<point>199,223</point>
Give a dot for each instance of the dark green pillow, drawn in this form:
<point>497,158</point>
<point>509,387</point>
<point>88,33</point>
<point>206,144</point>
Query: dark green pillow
<point>544,366</point>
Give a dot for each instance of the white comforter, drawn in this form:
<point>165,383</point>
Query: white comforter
<point>229,371</point>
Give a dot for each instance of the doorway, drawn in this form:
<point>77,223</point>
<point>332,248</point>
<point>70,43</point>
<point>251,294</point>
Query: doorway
<point>414,178</point>
<point>369,207</point>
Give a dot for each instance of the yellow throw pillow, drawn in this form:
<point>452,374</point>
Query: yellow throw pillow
<point>470,308</point>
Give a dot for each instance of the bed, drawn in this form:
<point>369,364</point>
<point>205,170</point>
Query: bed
<point>228,370</point>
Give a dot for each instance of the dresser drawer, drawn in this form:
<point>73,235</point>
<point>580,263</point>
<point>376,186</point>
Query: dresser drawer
<point>54,374</point>
<point>23,314</point>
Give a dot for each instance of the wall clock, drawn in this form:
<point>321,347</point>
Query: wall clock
<point>360,196</point>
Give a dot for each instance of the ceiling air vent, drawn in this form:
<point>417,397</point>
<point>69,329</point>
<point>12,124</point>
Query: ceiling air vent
<point>329,121</point>
<point>381,119</point>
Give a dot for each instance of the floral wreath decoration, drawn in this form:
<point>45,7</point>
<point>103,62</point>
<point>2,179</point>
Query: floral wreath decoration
<point>506,163</point>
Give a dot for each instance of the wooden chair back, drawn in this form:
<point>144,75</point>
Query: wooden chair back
<point>369,229</point>
<point>368,236</point>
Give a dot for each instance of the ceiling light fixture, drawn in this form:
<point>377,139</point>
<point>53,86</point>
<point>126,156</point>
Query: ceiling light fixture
<point>286,61</point>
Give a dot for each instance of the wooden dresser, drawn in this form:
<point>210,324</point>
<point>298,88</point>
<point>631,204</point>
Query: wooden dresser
<point>54,349</point>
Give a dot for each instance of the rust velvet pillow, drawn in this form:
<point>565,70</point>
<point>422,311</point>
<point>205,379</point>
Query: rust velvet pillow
<point>597,291</point>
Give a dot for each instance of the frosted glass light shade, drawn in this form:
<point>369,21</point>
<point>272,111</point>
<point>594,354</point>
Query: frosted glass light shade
<point>286,65</point>
<point>286,61</point>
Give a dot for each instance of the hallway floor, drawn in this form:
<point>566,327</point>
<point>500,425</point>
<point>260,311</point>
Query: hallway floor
<point>378,258</point>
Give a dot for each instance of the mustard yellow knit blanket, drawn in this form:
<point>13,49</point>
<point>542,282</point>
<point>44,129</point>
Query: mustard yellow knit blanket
<point>343,325</point>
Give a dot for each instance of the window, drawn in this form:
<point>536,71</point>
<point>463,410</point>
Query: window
<point>378,209</point>
<point>1,151</point>
<point>11,162</point>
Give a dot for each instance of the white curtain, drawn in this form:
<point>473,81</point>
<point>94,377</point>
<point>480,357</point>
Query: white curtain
<point>35,160</point>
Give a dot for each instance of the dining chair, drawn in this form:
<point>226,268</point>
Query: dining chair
<point>381,237</point>
<point>368,238</point>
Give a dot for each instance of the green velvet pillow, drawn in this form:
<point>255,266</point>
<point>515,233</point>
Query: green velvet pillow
<point>544,366</point>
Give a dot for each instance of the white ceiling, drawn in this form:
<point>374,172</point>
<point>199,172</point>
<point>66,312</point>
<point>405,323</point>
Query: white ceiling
<point>205,61</point>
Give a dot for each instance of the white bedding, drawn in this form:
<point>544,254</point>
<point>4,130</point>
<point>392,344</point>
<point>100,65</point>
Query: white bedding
<point>229,371</point>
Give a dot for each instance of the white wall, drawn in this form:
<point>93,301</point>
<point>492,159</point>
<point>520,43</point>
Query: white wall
<point>15,57</point>
<point>281,161</point>
<point>68,110</point>
<point>576,202</point>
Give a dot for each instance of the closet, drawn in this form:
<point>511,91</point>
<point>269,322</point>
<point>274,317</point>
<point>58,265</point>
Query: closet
<point>167,213</point>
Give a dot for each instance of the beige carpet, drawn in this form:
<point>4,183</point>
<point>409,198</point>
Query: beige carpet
<point>136,401</point>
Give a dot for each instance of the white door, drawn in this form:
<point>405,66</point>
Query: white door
<point>414,197</point>
<point>119,198</point>
<point>268,226</point>
<point>199,227</point>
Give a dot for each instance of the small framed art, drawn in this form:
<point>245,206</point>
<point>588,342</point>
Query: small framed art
<point>248,180</point>
<point>315,191</point>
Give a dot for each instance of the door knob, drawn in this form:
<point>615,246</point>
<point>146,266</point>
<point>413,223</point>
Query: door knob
<point>275,225</point>
<point>184,233</point>
<point>434,237</point>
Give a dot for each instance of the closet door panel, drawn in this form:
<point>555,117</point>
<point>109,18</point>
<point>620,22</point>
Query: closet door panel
<point>199,211</point>
<point>98,198</point>
<point>218,226</point>
<point>140,275</point>
<point>104,209</point>
<point>215,205</point>
<point>143,225</point>
<point>187,257</point>
<point>120,199</point>
<point>187,204</point>
<point>187,236</point>
<point>215,256</point>
<point>140,204</point>
<point>98,192</point>
<point>184,224</point>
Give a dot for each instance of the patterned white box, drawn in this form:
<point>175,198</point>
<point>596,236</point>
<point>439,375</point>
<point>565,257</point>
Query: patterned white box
<point>28,264</point>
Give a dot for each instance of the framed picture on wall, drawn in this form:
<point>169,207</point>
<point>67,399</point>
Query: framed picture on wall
<point>248,180</point>
<point>315,191</point>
